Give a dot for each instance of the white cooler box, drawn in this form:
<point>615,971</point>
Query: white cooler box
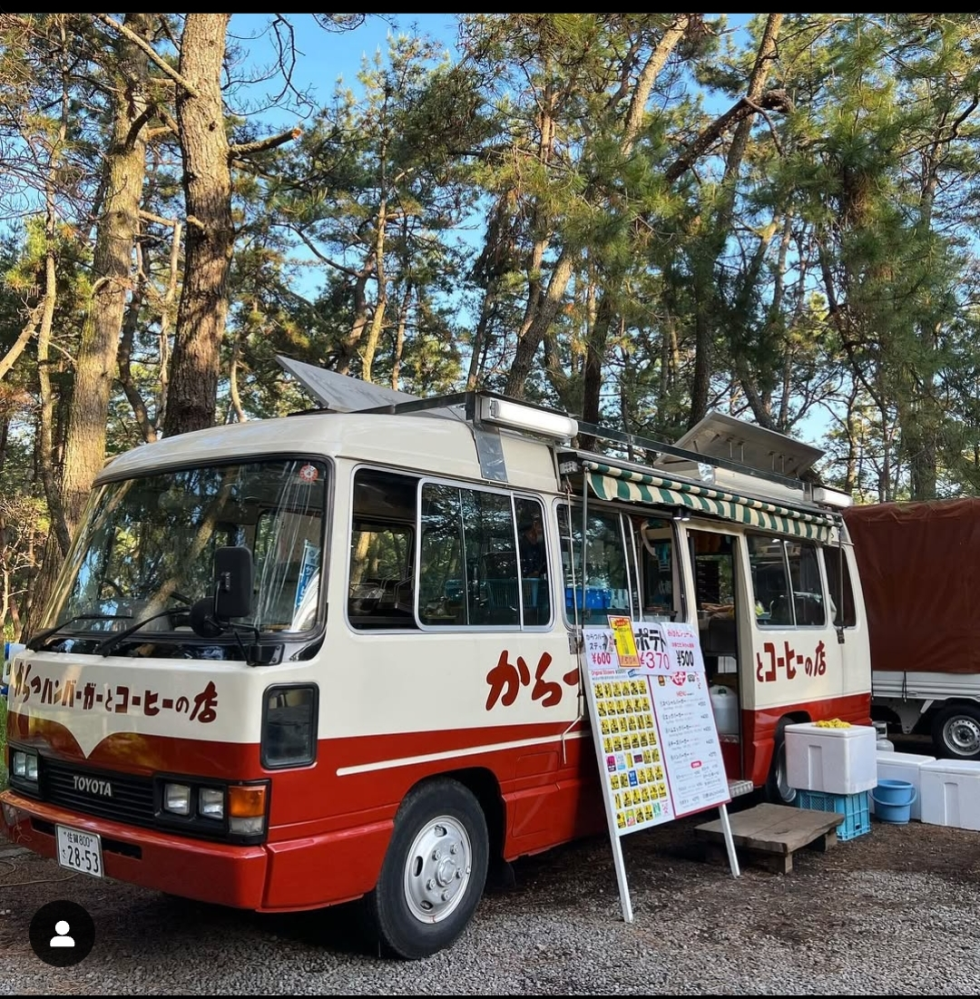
<point>831,760</point>
<point>903,766</point>
<point>951,793</point>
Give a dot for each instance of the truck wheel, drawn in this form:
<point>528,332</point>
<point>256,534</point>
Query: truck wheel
<point>778,791</point>
<point>434,871</point>
<point>956,732</point>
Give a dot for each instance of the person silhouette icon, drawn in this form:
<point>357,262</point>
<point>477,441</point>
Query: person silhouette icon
<point>62,933</point>
<point>62,939</point>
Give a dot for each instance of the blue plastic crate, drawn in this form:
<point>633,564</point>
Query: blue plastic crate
<point>856,809</point>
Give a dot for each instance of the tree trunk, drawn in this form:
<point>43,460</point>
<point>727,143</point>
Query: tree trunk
<point>95,364</point>
<point>130,322</point>
<point>528,345</point>
<point>396,364</point>
<point>203,309</point>
<point>236,399</point>
<point>377,321</point>
<point>44,448</point>
<point>359,292</point>
<point>27,332</point>
<point>595,353</point>
<point>718,229</point>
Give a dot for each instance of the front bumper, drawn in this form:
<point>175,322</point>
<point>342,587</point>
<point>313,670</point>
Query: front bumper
<point>305,872</point>
<point>209,872</point>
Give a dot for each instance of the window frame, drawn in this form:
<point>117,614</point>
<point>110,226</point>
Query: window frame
<point>783,540</point>
<point>409,629</point>
<point>422,479</point>
<point>512,495</point>
<point>842,547</point>
<point>628,548</point>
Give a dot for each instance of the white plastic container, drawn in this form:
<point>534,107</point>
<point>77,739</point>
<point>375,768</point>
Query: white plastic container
<point>831,760</point>
<point>903,766</point>
<point>724,704</point>
<point>884,743</point>
<point>951,793</point>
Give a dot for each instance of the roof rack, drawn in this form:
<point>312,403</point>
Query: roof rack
<point>483,406</point>
<point>760,450</point>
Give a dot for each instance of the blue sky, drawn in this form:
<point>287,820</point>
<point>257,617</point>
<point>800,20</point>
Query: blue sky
<point>324,56</point>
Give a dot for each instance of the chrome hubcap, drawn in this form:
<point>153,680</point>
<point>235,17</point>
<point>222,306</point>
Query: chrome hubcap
<point>962,735</point>
<point>437,870</point>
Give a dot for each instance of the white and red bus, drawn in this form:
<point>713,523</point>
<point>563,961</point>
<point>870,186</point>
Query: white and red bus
<point>335,656</point>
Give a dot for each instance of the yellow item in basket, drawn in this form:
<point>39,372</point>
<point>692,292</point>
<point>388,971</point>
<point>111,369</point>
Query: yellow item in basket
<point>833,723</point>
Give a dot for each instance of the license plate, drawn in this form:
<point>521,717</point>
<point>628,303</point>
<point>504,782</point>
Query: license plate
<point>80,851</point>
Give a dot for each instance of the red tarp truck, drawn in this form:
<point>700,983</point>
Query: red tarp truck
<point>919,566</point>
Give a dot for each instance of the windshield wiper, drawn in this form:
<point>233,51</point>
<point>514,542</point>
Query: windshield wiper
<point>113,640</point>
<point>35,643</point>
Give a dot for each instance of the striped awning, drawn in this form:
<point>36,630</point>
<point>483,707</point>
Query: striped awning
<point>611,483</point>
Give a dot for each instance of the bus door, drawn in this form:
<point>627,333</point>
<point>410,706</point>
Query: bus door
<point>715,567</point>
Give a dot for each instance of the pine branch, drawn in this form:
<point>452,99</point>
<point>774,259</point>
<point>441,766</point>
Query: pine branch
<point>150,51</point>
<point>245,149</point>
<point>159,219</point>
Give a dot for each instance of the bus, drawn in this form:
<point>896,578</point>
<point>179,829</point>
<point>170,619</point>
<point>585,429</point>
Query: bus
<point>337,656</point>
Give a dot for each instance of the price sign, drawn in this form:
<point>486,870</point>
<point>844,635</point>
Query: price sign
<point>654,729</point>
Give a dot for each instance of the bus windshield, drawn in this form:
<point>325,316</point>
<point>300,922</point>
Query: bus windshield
<point>147,545</point>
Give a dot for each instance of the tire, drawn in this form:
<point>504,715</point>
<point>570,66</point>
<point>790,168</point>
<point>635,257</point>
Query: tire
<point>777,791</point>
<point>434,871</point>
<point>956,732</point>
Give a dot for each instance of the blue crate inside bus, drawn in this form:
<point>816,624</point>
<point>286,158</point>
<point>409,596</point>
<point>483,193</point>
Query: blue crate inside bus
<point>596,598</point>
<point>856,809</point>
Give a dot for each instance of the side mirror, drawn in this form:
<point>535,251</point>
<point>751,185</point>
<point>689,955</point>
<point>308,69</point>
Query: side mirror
<point>234,578</point>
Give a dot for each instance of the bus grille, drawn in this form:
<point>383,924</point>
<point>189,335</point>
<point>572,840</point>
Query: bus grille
<point>83,790</point>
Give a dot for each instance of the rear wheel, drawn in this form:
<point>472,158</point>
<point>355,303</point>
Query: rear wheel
<point>956,732</point>
<point>778,790</point>
<point>434,871</point>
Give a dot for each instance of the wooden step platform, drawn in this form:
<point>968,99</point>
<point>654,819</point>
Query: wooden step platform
<point>771,834</point>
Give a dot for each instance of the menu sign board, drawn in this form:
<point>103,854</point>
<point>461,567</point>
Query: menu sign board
<point>655,726</point>
<point>654,729</point>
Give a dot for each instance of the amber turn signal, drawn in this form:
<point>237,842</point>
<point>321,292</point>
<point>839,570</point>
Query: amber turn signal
<point>246,801</point>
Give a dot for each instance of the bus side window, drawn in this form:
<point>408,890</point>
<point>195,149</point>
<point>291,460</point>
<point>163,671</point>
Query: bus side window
<point>381,588</point>
<point>770,582</point>
<point>468,559</point>
<point>804,571</point>
<point>656,543</point>
<point>837,572</point>
<point>533,552</point>
<point>607,583</point>
<point>786,582</point>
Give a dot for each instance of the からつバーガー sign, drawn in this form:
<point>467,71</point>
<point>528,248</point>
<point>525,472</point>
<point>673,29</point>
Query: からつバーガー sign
<point>29,687</point>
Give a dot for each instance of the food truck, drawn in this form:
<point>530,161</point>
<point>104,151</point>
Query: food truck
<point>336,656</point>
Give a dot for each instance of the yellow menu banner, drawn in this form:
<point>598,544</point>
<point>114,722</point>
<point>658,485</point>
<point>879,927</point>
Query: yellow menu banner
<point>622,629</point>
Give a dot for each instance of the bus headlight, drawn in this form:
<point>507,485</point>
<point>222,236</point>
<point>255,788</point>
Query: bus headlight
<point>289,726</point>
<point>177,798</point>
<point>211,802</point>
<point>23,764</point>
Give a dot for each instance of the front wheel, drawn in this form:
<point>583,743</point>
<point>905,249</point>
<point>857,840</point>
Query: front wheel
<point>434,872</point>
<point>956,732</point>
<point>778,791</point>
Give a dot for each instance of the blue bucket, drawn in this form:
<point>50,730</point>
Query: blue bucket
<point>893,801</point>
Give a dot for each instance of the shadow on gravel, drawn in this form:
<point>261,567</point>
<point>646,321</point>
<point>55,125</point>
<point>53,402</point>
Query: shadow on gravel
<point>337,928</point>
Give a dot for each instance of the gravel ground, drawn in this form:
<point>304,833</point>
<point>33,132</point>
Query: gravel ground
<point>890,912</point>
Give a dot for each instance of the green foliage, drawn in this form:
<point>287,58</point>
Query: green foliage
<point>414,231</point>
